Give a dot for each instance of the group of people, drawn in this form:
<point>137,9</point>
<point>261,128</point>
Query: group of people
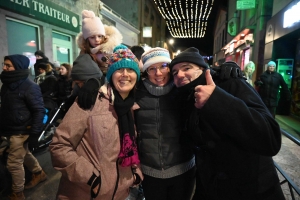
<point>143,118</point>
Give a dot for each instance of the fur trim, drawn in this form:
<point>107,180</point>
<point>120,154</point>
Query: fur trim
<point>114,38</point>
<point>80,41</point>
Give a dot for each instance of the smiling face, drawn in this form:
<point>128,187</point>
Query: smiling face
<point>124,80</point>
<point>159,73</point>
<point>271,68</point>
<point>96,40</point>
<point>185,73</point>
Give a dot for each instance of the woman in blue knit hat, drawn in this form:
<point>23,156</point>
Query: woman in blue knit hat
<point>268,87</point>
<point>167,164</point>
<point>95,149</point>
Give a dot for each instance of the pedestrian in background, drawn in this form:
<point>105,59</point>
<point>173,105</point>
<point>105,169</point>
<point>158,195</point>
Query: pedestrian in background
<point>167,164</point>
<point>138,52</point>
<point>268,87</point>
<point>248,72</point>
<point>40,58</point>
<point>21,116</point>
<point>231,129</point>
<point>95,149</point>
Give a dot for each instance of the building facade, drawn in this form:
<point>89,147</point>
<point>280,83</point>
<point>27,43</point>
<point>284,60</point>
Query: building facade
<point>47,25</point>
<point>245,34</point>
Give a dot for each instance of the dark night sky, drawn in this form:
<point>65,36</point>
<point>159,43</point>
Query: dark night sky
<point>205,44</point>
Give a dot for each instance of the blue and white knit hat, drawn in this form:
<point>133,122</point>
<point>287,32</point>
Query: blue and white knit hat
<point>155,55</point>
<point>122,57</point>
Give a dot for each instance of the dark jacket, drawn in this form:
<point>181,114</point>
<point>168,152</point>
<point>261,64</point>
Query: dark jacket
<point>236,138</point>
<point>159,134</point>
<point>22,109</point>
<point>49,86</point>
<point>64,89</point>
<point>270,88</point>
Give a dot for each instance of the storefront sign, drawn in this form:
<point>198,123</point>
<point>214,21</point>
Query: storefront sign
<point>245,4</point>
<point>232,27</point>
<point>291,16</point>
<point>45,11</point>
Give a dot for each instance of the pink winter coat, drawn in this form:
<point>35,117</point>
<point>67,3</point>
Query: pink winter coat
<point>88,142</point>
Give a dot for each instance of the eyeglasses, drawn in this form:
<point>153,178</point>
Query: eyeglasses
<point>163,68</point>
<point>6,65</point>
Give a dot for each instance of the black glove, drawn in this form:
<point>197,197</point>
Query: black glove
<point>88,93</point>
<point>229,70</point>
<point>258,83</point>
<point>33,141</point>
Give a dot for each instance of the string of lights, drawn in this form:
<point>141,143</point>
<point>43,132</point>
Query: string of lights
<point>185,18</point>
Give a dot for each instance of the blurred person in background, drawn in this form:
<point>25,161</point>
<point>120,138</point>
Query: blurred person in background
<point>138,52</point>
<point>268,87</point>
<point>64,88</point>
<point>249,70</point>
<point>40,58</point>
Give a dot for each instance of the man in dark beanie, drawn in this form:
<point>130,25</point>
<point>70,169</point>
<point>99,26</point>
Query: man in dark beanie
<point>231,130</point>
<point>21,116</point>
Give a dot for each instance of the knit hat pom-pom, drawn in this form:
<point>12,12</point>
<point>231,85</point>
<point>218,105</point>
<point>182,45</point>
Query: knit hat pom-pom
<point>88,14</point>
<point>121,46</point>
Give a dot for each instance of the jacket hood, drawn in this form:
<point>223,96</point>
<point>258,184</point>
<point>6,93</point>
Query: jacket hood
<point>19,61</point>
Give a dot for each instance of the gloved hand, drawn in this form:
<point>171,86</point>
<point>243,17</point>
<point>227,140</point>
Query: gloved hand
<point>258,83</point>
<point>33,141</point>
<point>229,70</point>
<point>88,93</point>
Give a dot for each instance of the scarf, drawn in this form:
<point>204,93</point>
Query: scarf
<point>128,150</point>
<point>14,78</point>
<point>186,92</point>
<point>158,90</point>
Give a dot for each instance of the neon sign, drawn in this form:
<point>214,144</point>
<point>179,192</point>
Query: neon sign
<point>291,16</point>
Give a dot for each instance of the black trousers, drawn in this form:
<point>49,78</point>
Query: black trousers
<point>176,188</point>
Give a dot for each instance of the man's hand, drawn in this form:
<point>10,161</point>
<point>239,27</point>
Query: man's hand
<point>88,93</point>
<point>229,70</point>
<point>203,92</point>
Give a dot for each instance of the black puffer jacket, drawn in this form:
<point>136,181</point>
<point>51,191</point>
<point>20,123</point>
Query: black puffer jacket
<point>159,131</point>
<point>270,88</point>
<point>237,138</point>
<point>22,109</point>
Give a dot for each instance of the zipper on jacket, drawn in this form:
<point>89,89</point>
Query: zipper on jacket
<point>159,135</point>
<point>117,181</point>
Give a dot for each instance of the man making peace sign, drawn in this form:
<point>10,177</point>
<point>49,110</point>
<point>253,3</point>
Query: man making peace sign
<point>231,130</point>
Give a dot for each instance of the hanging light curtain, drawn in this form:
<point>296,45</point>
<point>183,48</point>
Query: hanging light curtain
<point>185,18</point>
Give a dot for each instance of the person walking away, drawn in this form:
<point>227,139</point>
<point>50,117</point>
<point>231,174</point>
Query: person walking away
<point>167,164</point>
<point>21,116</point>
<point>232,130</point>
<point>95,149</point>
<point>268,87</point>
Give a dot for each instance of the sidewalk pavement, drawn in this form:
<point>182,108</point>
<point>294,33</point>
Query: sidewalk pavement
<point>288,157</point>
